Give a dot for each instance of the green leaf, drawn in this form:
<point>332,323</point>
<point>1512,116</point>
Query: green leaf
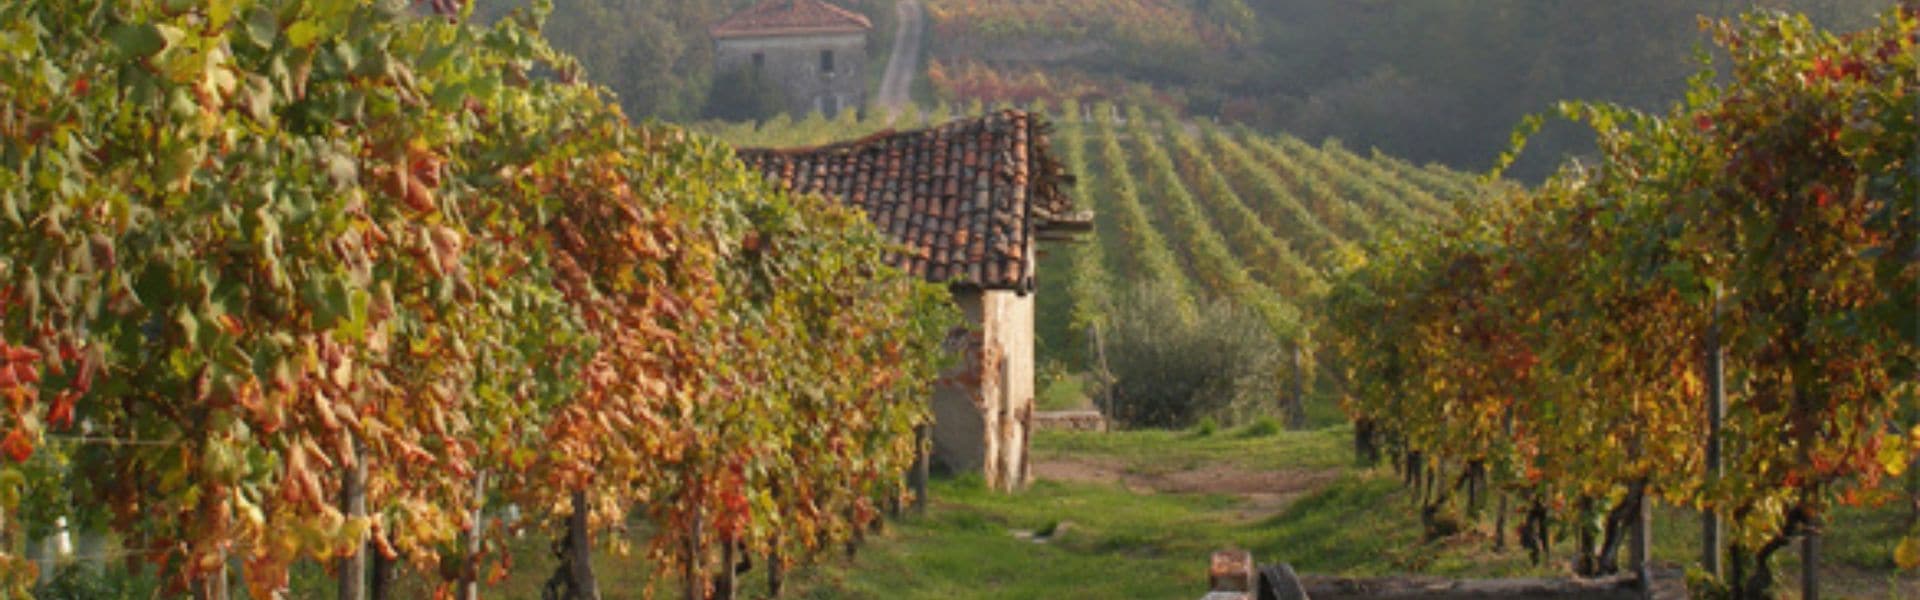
<point>189,326</point>
<point>302,34</point>
<point>137,41</point>
<point>262,26</point>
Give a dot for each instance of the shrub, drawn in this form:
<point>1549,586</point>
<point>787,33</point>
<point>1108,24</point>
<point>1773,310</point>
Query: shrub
<point>1261,427</point>
<point>1206,427</point>
<point>1174,362</point>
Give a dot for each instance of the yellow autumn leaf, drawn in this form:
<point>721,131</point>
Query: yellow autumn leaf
<point>1907,555</point>
<point>1893,455</point>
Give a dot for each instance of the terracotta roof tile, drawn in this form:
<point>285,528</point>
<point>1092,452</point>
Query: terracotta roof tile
<point>965,198</point>
<point>790,17</point>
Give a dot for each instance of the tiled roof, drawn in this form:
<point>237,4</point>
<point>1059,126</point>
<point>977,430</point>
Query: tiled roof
<point>966,198</point>
<point>790,17</point>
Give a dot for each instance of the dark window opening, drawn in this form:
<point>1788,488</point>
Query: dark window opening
<point>826,61</point>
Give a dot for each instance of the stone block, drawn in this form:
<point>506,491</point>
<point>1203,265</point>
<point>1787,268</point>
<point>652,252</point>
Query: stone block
<point>1232,571</point>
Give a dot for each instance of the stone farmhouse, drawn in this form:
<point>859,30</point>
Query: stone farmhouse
<point>813,51</point>
<point>969,200</point>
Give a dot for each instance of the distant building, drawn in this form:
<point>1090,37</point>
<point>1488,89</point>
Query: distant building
<point>815,52</point>
<point>969,201</point>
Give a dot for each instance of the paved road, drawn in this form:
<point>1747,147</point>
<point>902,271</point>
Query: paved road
<point>897,85</point>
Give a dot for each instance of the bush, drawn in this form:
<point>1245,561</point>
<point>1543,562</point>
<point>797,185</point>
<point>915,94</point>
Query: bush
<point>1261,427</point>
<point>1174,362</point>
<point>1206,427</point>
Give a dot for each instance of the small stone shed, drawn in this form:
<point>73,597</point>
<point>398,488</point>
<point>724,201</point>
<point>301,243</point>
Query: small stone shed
<point>970,200</point>
<point>814,51</point>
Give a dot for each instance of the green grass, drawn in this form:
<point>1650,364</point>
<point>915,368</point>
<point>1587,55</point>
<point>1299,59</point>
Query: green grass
<point>1115,543</point>
<point>1063,392</point>
<point>1111,542</point>
<point>1108,543</point>
<point>1159,451</point>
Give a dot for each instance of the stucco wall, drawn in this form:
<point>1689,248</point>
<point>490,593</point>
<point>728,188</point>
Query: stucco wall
<point>960,440</point>
<point>1011,319</point>
<point>983,407</point>
<point>793,63</point>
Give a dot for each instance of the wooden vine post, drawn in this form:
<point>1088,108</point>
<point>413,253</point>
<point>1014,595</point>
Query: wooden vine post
<point>725,582</point>
<point>1713,532</point>
<point>1500,514</point>
<point>581,549</point>
<point>1297,402</point>
<point>1810,560</point>
<point>695,586</point>
<point>918,477</point>
<point>1642,543</point>
<point>776,573</point>
<point>212,586</point>
<point>476,530</point>
<point>353,502</point>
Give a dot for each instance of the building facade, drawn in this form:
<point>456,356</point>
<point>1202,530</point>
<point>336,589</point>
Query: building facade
<point>813,51</point>
<point>969,200</point>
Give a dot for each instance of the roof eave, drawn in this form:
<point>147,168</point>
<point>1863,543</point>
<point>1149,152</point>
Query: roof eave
<point>785,32</point>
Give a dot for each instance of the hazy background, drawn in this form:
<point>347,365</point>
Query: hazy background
<point>1427,80</point>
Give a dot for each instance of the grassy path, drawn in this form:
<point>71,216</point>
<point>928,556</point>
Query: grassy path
<point>1135,514</point>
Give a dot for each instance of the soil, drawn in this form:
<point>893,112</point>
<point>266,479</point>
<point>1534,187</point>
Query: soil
<point>1265,492</point>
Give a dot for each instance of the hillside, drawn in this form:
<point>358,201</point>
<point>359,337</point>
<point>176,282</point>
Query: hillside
<point>1433,81</point>
<point>1437,81</point>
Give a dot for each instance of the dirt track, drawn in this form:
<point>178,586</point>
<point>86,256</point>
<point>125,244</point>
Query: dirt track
<point>896,86</point>
<point>1264,491</point>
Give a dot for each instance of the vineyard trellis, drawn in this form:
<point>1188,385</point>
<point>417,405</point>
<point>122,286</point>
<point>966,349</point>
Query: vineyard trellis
<point>1269,259</point>
<point>300,249</point>
<point>1562,342</point>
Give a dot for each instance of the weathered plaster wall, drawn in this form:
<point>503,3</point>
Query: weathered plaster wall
<point>793,62</point>
<point>1010,318</point>
<point>983,408</point>
<point>960,440</point>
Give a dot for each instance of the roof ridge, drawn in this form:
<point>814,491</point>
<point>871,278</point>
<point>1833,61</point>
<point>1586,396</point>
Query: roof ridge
<point>844,12</point>
<point>994,115</point>
<point>789,17</point>
<point>966,199</point>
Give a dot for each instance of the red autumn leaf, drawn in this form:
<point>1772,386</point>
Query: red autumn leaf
<point>418,196</point>
<point>20,354</point>
<point>26,373</point>
<point>1854,68</point>
<point>1822,196</point>
<point>230,325</point>
<point>1823,69</point>
<point>61,413</point>
<point>17,446</point>
<point>426,168</point>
